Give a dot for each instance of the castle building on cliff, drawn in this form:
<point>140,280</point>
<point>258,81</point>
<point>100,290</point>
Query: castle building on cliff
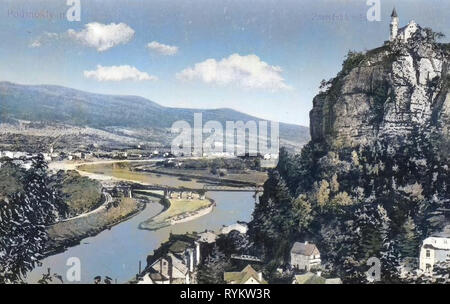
<point>403,33</point>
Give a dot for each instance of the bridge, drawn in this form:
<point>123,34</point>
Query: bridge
<point>233,188</point>
<point>205,188</point>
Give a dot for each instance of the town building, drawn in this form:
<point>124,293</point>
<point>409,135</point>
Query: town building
<point>169,269</point>
<point>248,275</point>
<point>434,250</point>
<point>305,256</point>
<point>176,264</point>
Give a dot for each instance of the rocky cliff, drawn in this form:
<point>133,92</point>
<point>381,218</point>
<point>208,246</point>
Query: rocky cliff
<point>386,92</point>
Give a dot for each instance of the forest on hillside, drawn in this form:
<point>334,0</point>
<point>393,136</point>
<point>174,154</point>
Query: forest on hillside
<point>372,201</point>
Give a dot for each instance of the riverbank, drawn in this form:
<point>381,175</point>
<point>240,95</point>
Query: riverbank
<point>244,179</point>
<point>70,232</point>
<point>127,171</point>
<point>178,211</point>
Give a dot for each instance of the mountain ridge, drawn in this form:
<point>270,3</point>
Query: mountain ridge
<point>55,103</point>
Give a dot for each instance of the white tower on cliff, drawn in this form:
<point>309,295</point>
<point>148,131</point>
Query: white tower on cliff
<point>394,25</point>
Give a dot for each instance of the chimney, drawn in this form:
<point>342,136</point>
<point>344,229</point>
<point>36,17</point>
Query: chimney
<point>260,276</point>
<point>319,273</point>
<point>306,242</point>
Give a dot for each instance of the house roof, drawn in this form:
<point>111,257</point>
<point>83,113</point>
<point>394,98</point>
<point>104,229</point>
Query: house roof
<point>333,281</point>
<point>304,248</point>
<point>442,243</point>
<point>179,246</point>
<point>243,276</point>
<point>309,278</point>
<point>175,262</point>
<point>312,278</point>
<point>179,264</point>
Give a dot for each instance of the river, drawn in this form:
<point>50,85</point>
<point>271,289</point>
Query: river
<point>116,252</point>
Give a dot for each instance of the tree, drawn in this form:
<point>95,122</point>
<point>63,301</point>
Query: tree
<point>302,212</point>
<point>342,199</point>
<point>323,194</point>
<point>409,240</point>
<point>334,184</point>
<point>23,218</point>
<point>22,238</point>
<point>355,158</point>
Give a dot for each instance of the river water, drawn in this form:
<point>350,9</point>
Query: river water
<point>116,252</point>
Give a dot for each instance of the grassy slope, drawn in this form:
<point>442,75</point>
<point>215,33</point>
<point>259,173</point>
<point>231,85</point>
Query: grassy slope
<point>80,193</point>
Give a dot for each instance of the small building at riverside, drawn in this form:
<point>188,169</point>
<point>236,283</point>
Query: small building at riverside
<point>305,256</point>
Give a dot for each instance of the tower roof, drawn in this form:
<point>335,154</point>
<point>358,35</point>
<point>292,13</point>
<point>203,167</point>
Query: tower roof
<point>394,13</point>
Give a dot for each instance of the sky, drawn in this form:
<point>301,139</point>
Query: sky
<point>262,57</point>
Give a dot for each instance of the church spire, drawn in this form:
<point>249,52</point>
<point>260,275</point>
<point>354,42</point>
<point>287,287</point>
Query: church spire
<point>394,25</point>
<point>394,13</point>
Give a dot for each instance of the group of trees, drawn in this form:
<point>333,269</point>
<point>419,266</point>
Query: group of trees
<point>373,201</point>
<point>24,214</point>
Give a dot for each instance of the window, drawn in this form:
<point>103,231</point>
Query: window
<point>428,254</point>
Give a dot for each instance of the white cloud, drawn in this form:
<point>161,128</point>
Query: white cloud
<point>103,36</point>
<point>162,49</point>
<point>245,71</point>
<point>45,38</point>
<point>118,73</point>
<point>35,44</point>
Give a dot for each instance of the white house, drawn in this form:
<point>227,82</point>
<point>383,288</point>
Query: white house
<point>305,256</point>
<point>434,249</point>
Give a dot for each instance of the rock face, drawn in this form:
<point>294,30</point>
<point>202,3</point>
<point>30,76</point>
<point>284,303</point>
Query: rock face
<point>387,91</point>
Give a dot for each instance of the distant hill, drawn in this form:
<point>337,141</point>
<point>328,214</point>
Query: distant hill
<point>50,103</point>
